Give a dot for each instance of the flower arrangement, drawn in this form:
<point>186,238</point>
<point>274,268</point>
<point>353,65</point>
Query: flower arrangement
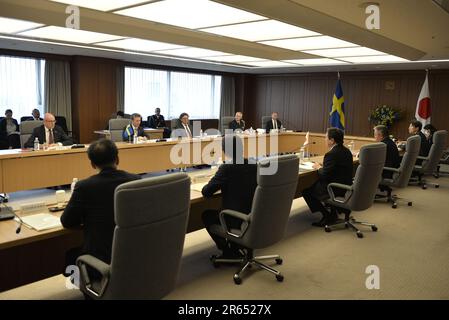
<point>384,115</point>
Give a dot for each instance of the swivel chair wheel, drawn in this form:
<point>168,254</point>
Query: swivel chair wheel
<point>424,187</point>
<point>279,277</point>
<point>278,261</point>
<point>374,228</point>
<point>394,205</point>
<point>327,229</point>
<point>237,279</point>
<point>359,235</point>
<point>410,204</point>
<point>214,263</point>
<point>437,186</point>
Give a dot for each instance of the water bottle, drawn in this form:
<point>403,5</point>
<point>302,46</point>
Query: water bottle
<point>251,130</point>
<point>201,133</point>
<point>301,155</point>
<point>72,186</point>
<point>36,144</point>
<point>351,146</point>
<point>135,139</point>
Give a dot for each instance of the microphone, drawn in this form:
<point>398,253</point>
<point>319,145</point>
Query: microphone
<point>10,214</point>
<point>19,228</point>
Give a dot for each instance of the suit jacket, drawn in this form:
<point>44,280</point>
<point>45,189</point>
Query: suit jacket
<point>234,125</point>
<point>237,183</point>
<point>337,166</point>
<point>425,145</point>
<point>58,135</point>
<point>155,122</point>
<point>128,132</point>
<point>393,159</point>
<point>3,125</point>
<point>180,130</point>
<point>92,205</point>
<point>269,125</point>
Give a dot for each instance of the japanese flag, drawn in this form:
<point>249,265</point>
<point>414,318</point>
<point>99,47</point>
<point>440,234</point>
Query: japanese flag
<point>423,110</point>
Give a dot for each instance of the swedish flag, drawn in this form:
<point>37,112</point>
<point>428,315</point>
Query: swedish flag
<point>337,114</point>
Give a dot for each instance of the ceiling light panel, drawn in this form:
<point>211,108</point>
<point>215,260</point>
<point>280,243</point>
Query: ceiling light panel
<point>316,62</point>
<point>139,45</point>
<point>373,59</point>
<point>261,30</point>
<point>191,52</point>
<point>69,35</point>
<point>8,25</point>
<point>310,43</point>
<point>191,14</point>
<point>232,58</point>
<point>345,52</point>
<point>269,64</point>
<point>102,5</point>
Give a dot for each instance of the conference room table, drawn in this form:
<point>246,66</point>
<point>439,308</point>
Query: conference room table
<point>31,255</point>
<point>150,133</point>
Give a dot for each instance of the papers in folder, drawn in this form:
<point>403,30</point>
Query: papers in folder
<point>41,221</point>
<point>306,165</point>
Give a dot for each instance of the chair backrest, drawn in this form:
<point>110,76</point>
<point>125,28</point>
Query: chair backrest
<point>408,162</point>
<point>272,202</point>
<point>26,129</point>
<point>265,120</point>
<point>62,122</point>
<point>367,176</point>
<point>116,127</point>
<point>224,123</point>
<point>26,118</point>
<point>151,219</point>
<point>436,151</point>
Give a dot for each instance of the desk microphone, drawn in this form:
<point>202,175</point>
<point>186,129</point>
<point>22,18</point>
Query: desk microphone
<point>19,228</point>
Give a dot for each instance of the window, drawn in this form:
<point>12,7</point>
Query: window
<point>173,92</point>
<point>21,85</point>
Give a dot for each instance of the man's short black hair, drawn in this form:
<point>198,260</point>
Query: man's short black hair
<point>120,113</point>
<point>431,128</point>
<point>416,124</point>
<point>383,130</point>
<point>8,110</point>
<point>182,115</point>
<point>336,134</point>
<point>136,115</point>
<point>103,153</point>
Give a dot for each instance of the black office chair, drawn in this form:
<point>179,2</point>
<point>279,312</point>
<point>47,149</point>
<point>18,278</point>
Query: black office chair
<point>62,122</point>
<point>27,118</point>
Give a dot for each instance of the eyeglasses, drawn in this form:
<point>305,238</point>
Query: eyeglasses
<point>50,120</point>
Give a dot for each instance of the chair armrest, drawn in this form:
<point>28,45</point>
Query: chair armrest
<point>103,268</point>
<point>241,216</point>
<point>330,190</point>
<point>422,158</point>
<point>396,170</point>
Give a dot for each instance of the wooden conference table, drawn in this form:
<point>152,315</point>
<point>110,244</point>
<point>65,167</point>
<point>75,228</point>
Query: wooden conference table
<point>31,256</point>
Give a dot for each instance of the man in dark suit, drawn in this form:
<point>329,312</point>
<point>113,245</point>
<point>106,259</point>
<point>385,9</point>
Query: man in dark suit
<point>337,167</point>
<point>157,121</point>
<point>273,123</point>
<point>49,133</point>
<point>134,128</point>
<point>415,128</point>
<point>392,159</point>
<point>183,128</point>
<point>237,181</point>
<point>9,132</point>
<point>36,115</point>
<point>92,202</point>
<point>238,123</point>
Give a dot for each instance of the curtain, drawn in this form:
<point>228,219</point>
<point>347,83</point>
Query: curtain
<point>227,103</point>
<point>120,88</point>
<point>57,98</point>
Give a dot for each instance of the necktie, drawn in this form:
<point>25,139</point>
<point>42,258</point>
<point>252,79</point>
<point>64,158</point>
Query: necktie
<point>189,134</point>
<point>275,124</point>
<point>51,139</point>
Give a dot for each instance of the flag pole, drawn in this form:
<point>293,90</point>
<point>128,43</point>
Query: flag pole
<point>338,73</point>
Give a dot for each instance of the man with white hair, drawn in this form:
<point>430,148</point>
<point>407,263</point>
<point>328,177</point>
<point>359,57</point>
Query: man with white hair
<point>49,133</point>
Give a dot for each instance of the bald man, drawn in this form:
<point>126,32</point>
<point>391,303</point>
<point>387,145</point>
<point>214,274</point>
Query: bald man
<point>49,134</point>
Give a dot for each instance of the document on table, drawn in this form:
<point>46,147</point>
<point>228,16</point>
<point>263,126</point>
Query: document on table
<point>41,221</point>
<point>306,165</point>
<point>198,186</point>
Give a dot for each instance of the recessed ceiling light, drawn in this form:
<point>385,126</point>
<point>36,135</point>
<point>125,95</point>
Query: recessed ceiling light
<point>345,52</point>
<point>261,30</point>
<point>8,25</point>
<point>139,45</point>
<point>102,5</point>
<point>373,59</point>
<point>191,52</point>
<point>69,35</point>
<point>269,64</point>
<point>316,62</point>
<point>191,14</point>
<point>310,43</point>
<point>232,58</point>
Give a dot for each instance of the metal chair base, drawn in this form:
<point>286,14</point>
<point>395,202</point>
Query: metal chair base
<point>419,181</point>
<point>349,223</point>
<point>392,198</point>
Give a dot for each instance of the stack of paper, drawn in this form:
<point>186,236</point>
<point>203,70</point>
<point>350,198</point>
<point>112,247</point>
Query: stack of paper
<point>41,221</point>
<point>306,165</point>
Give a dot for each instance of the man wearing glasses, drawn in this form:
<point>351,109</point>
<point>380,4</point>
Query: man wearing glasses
<point>49,134</point>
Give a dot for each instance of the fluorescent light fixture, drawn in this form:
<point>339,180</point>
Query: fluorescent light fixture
<point>316,62</point>
<point>191,14</point>
<point>373,59</point>
<point>191,52</point>
<point>139,45</point>
<point>102,5</point>
<point>232,58</point>
<point>69,35</point>
<point>261,30</point>
<point>270,64</point>
<point>346,52</point>
<point>8,25</point>
<point>310,43</point>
